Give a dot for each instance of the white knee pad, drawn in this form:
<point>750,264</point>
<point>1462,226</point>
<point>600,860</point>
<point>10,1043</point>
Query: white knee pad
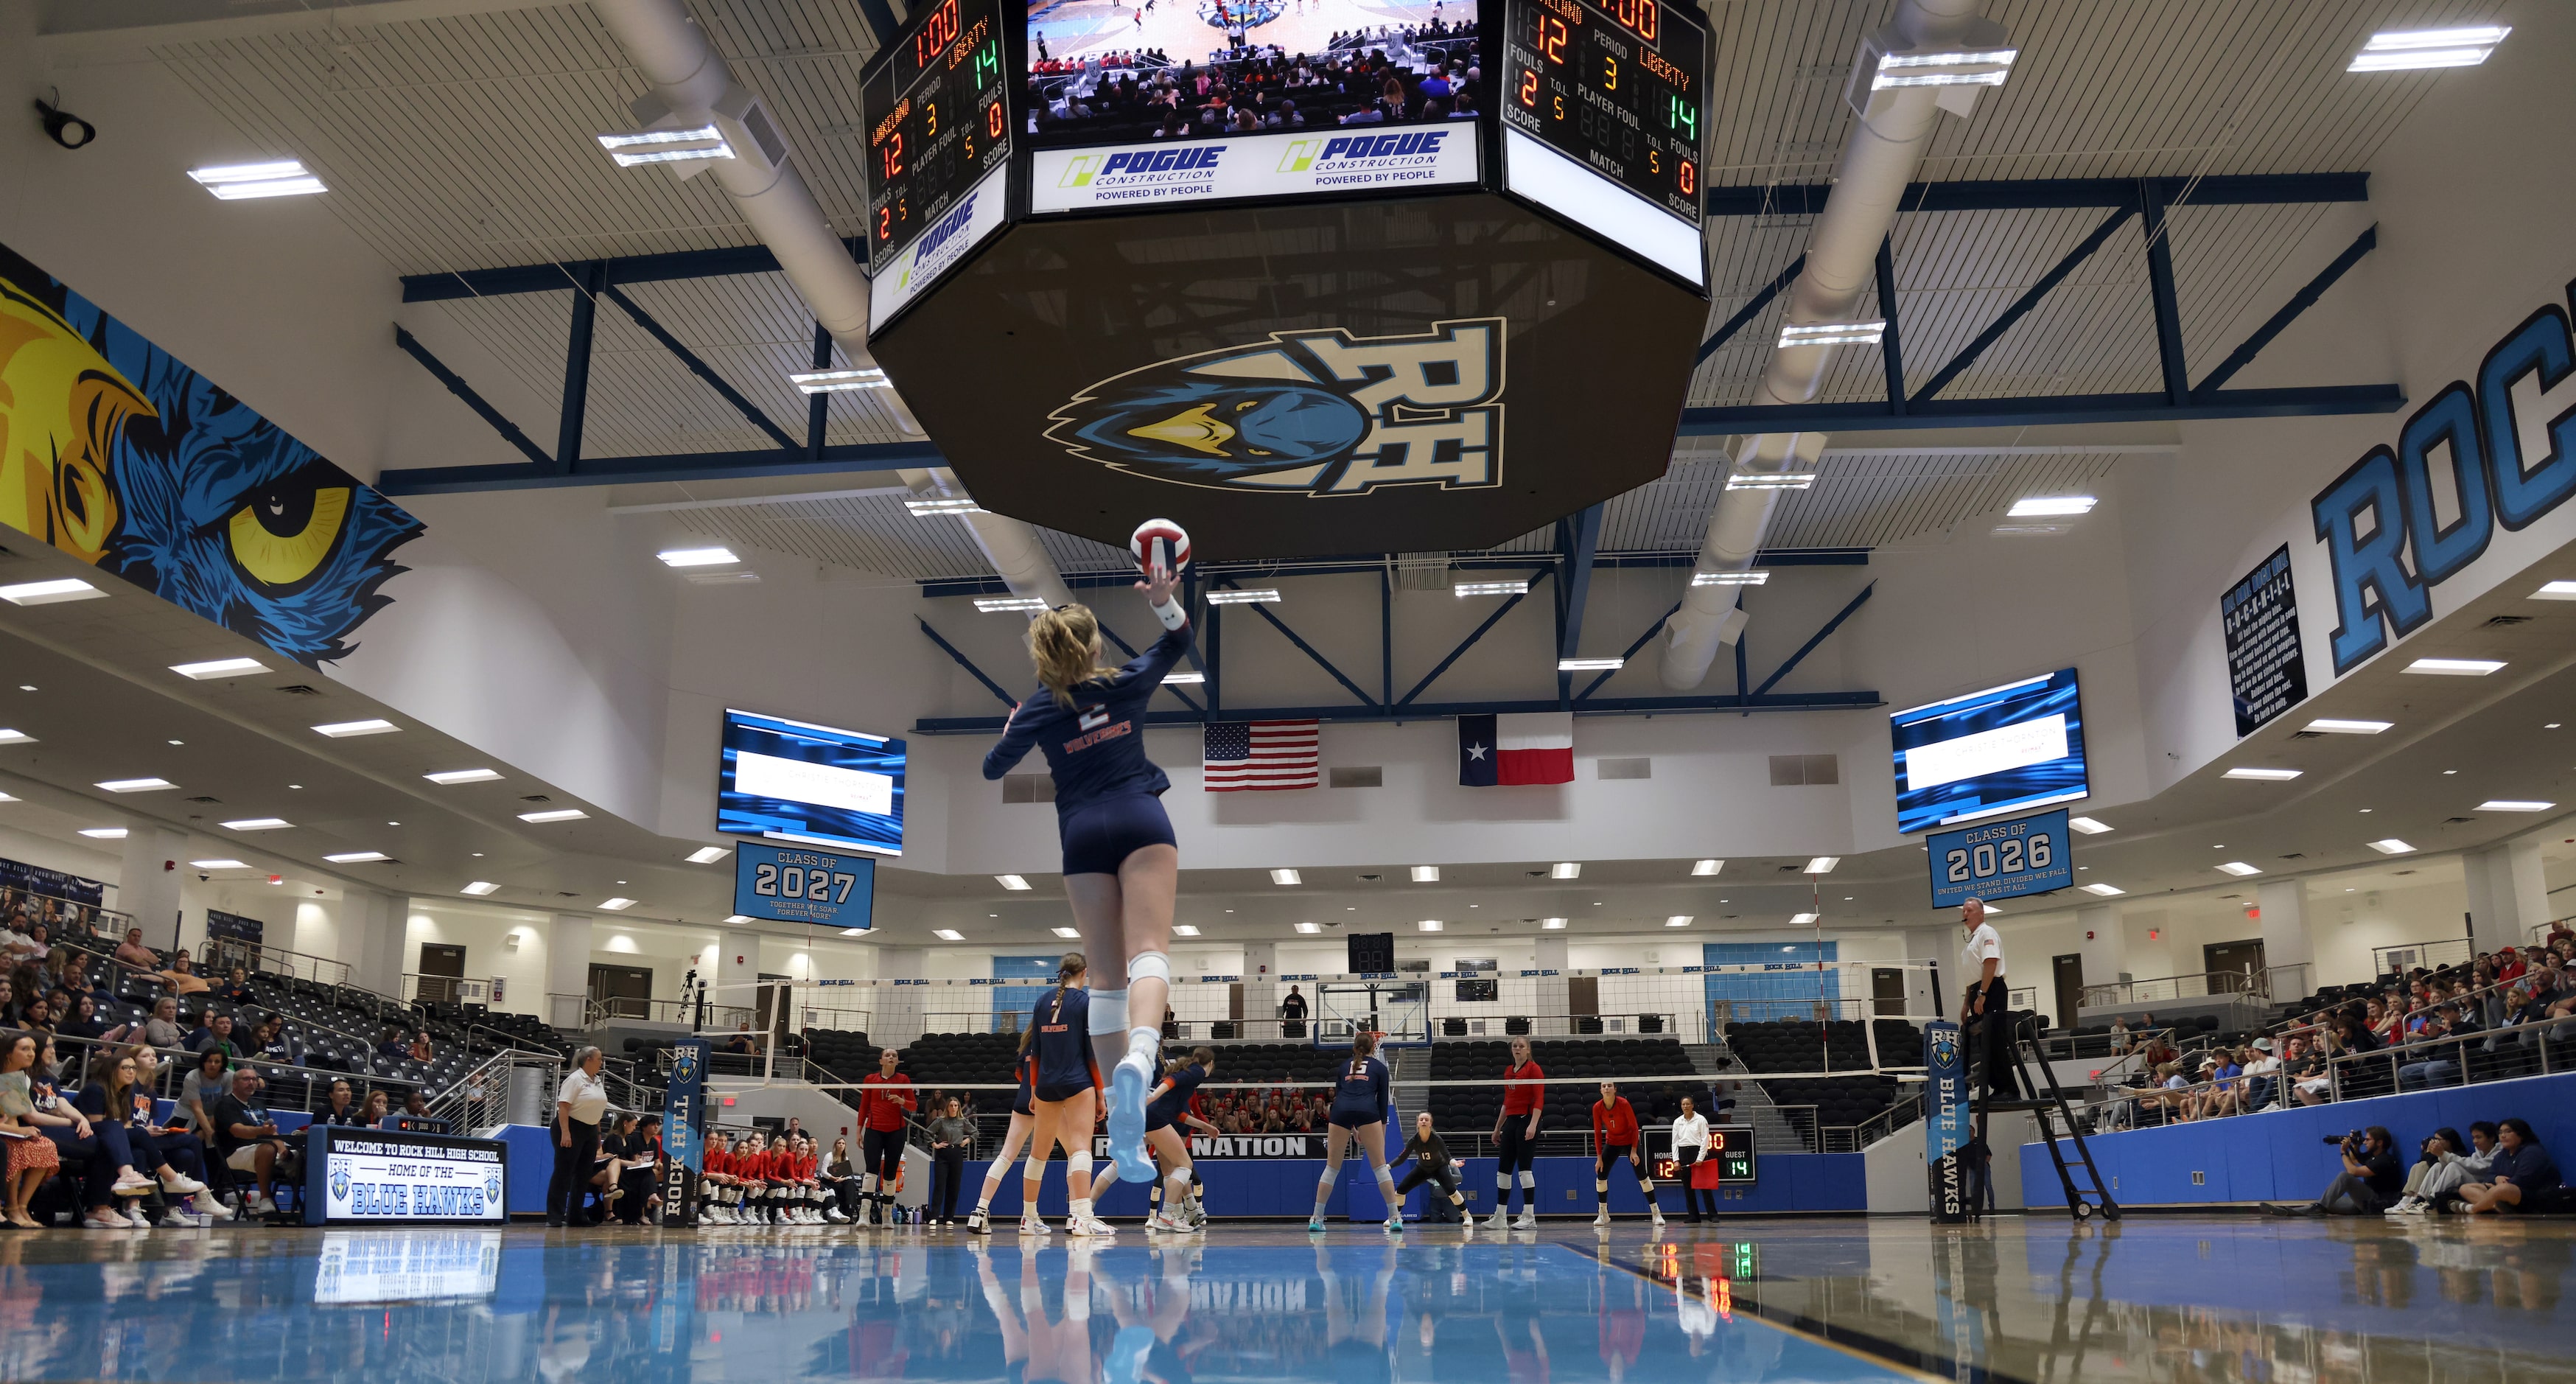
<point>1502,1182</point>
<point>1077,1164</point>
<point>1529,1180</point>
<point>1035,1169</point>
<point>1108,1011</point>
<point>1152,965</point>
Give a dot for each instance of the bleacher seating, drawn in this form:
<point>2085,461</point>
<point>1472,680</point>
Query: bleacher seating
<point>1798,1045</point>
<point>1468,1109</point>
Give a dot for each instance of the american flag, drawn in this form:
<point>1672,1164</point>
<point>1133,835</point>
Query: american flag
<point>1260,756</point>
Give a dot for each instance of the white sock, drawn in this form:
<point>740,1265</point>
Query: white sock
<point>1323,1194</point>
<point>1144,1043</point>
<point>1081,1208</point>
<point>1386,1189</point>
<point>1179,1193</point>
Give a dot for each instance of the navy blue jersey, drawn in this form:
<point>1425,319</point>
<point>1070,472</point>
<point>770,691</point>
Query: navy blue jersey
<point>1167,1108</point>
<point>1360,1093</point>
<point>1096,747</point>
<point>1062,1020</point>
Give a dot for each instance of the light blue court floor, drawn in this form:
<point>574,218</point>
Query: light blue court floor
<point>2156,1297</point>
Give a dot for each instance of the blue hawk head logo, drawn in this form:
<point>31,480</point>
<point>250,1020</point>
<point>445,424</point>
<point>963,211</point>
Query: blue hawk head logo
<point>339,1184</point>
<point>492,1189</point>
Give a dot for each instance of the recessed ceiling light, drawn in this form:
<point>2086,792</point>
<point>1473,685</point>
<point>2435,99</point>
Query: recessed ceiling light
<point>1801,920</point>
<point>2104,890</point>
<point>1589,665</point>
<point>1566,869</point>
<point>1823,865</point>
<point>49,592</point>
<point>1310,928</point>
<point>2390,845</point>
<point>1002,605</point>
<point>225,864</point>
<point>2413,49</point>
<point>258,824</point>
<point>1428,925</point>
<point>2555,591</point>
<point>236,182</point>
<point>2238,868</point>
<point>1185,929</point>
<point>451,777</point>
<point>2037,506</point>
<point>2514,805</point>
<point>1707,867</point>
<point>1426,874</point>
<point>696,557</point>
<point>1011,882</point>
<point>1749,577</point>
<point>1286,877</point>
<point>2264,775</point>
<point>1832,333</point>
<point>1490,588</point>
<point>938,504</point>
<point>1250,595</point>
<point>2088,826</point>
<point>2330,726</point>
<point>1184,679</point>
<point>104,833</point>
<point>15,737</point>
<point>1678,920</point>
<point>1552,924</point>
<point>2446,773</point>
<point>481,887</point>
<point>560,814</point>
<point>2456,667</point>
<point>708,855</point>
<point>178,742</point>
<point>26,687</point>
<point>141,785</point>
<point>1067,933</point>
<point>1770,480</point>
<point>948,934</point>
<point>342,730</point>
<point>851,381</point>
<point>219,668</point>
<point>357,857</point>
<point>618,905</point>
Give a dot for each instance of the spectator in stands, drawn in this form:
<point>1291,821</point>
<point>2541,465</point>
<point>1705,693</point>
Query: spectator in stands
<point>133,955</point>
<point>422,1050</point>
<point>205,1082</point>
<point>340,1107</point>
<point>373,1110</point>
<point>247,1137</point>
<point>37,1017</point>
<point>56,1117</point>
<point>619,1149</point>
<point>32,1158</point>
<point>182,978</point>
<point>216,1035</point>
<point>390,1045</point>
<point>579,1105</point>
<point>2120,1039</point>
<point>159,1028</point>
<point>120,1111</point>
<point>2437,1062</point>
<point>2370,1181</point>
<point>2172,1094</point>
<point>271,1043</point>
<point>17,946</point>
<point>416,1103</point>
<point>82,1022</point>
<point>742,1042</point>
<point>236,987</point>
<point>2262,1075</point>
<point>2521,1172</point>
<point>8,1002</point>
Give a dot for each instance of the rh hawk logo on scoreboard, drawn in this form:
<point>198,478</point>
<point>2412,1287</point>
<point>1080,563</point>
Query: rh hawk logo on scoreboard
<point>1306,412</point>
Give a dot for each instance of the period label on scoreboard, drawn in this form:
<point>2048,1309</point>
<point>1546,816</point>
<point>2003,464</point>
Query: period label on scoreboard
<point>937,123</point>
<point>1359,158</point>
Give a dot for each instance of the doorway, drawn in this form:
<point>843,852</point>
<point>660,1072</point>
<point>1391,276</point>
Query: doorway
<point>1887,990</point>
<point>777,1006</point>
<point>622,992</point>
<point>2069,973</point>
<point>441,968</point>
<point>2234,967</point>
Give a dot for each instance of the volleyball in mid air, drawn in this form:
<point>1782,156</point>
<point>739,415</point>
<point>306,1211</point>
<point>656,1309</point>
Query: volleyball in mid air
<point>1159,546</point>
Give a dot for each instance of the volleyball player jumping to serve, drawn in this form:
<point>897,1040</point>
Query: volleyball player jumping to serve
<point>1121,865</point>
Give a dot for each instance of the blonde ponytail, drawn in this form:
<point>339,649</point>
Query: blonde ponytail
<point>1065,645</point>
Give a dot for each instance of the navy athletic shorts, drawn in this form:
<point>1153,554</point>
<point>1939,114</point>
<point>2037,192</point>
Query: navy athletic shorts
<point>1099,838</point>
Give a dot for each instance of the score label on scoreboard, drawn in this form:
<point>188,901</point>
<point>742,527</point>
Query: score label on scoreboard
<point>937,124</point>
<point>1615,87</point>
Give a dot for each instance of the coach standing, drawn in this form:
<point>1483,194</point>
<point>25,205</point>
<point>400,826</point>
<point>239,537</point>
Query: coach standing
<point>1988,998</point>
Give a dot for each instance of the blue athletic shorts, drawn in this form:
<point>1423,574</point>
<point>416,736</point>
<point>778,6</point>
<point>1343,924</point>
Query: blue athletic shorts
<point>1099,838</point>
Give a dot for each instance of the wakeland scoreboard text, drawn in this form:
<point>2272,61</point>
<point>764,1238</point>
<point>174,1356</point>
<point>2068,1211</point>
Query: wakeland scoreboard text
<point>403,1179</point>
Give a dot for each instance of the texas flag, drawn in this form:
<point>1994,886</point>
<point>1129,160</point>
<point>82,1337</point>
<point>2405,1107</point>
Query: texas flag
<point>1504,750</point>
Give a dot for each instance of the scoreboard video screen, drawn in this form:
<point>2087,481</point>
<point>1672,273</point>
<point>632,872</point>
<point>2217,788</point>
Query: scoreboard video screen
<point>1614,89</point>
<point>936,119</point>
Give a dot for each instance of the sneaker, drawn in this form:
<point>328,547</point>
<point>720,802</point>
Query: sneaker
<point>1089,1227</point>
<point>1601,1217</point>
<point>179,1184</point>
<point>978,1223</point>
<point>209,1209</point>
<point>1127,1086</point>
<point>1314,1225</point>
<point>2405,1207</point>
<point>1031,1225</point>
<point>265,1207</point>
<point>1500,1220</point>
<point>1659,1220</point>
<point>176,1219</point>
<point>1528,1220</point>
<point>106,1219</point>
<point>2415,1206</point>
<point>131,1184</point>
<point>832,1214</point>
<point>1395,1225</point>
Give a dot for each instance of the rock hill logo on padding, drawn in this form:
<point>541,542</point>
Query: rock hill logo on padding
<point>1306,412</point>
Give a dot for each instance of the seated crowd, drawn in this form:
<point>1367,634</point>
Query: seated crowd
<point>1249,91</point>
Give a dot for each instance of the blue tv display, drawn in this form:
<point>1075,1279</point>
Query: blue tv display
<point>785,780</point>
<point>2005,749</point>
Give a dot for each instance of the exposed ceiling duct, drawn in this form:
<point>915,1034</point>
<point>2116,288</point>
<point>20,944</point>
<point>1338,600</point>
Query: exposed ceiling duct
<point>1934,56</point>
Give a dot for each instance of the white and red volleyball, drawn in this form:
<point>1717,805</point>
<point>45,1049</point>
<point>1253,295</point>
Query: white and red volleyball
<point>1159,545</point>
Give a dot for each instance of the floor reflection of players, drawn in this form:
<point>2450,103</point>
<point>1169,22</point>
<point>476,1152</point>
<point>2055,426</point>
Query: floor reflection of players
<point>1622,1319</point>
<point>1150,1316</point>
<point>1355,1319</point>
<point>1032,1347</point>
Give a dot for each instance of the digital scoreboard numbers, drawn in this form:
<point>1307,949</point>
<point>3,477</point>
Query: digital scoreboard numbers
<point>937,121</point>
<point>1618,87</point>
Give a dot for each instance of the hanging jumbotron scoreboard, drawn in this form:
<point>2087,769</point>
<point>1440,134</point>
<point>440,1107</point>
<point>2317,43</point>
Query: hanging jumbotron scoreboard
<point>1308,310</point>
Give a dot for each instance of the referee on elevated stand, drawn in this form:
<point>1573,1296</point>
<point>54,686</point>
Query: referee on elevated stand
<point>1982,958</point>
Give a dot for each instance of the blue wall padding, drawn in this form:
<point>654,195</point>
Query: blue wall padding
<point>532,1166</point>
<point>1286,1187</point>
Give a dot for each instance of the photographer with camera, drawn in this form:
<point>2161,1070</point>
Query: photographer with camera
<point>2370,1181</point>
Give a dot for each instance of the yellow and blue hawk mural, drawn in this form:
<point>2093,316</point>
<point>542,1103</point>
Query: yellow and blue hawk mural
<point>116,453</point>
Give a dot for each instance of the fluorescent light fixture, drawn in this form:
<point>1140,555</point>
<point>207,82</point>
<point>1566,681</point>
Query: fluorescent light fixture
<point>1490,588</point>
<point>2041,506</point>
<point>104,833</point>
<point>15,737</point>
<point>1678,920</point>
<point>851,381</point>
<point>2330,726</point>
<point>560,814</point>
<point>2549,591</point>
<point>357,857</point>
<point>235,182</point>
<point>1831,333</point>
<point>615,905</point>
<point>1802,920</point>
<point>2390,845</point>
<point>30,593</point>
<point>219,668</point>
<point>2262,775</point>
<point>1024,605</point>
<point>1286,877</point>
<point>1589,665</point>
<point>1992,911</point>
<point>1770,480</point>
<point>1310,929</point>
<point>697,557</point>
<point>708,855</point>
<point>1428,925</point>
<point>945,504</point>
<point>1985,67</point>
<point>2238,868</point>
<point>1707,867</point>
<point>141,785</point>
<point>948,934</point>
<point>666,146</point>
<point>1552,924</point>
<point>450,778</point>
<point>1566,869</point>
<point>1823,864</point>
<point>1756,578</point>
<point>258,824</point>
<point>1250,595</point>
<point>2407,50</point>
<point>2088,826</point>
<point>1184,679</point>
<point>1011,882</point>
<point>2102,890</point>
<point>649,139</point>
<point>1068,933</point>
<point>480,887</point>
<point>342,730</point>
<point>2514,805</point>
<point>226,864</point>
<point>1185,929</point>
<point>1426,874</point>
<point>2455,667</point>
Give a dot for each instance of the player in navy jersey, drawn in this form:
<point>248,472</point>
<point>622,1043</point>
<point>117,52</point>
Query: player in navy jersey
<point>1169,1109</point>
<point>1362,1102</point>
<point>1024,1119</point>
<point>1064,1098</point>
<point>1121,866</point>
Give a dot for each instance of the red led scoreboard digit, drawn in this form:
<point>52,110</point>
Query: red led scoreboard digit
<point>936,118</point>
<point>1616,85</point>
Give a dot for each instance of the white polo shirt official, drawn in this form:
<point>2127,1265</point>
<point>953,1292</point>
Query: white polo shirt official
<point>1982,944</point>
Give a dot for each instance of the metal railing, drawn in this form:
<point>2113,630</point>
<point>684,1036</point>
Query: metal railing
<point>2250,983</point>
<point>2464,1059</point>
<point>428,989</point>
<point>511,1087</point>
<point>63,919</point>
<point>2541,932</point>
<point>2401,957</point>
<point>219,955</point>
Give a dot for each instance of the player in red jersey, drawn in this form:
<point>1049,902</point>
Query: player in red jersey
<point>1615,1134</point>
<point>720,1192</point>
<point>885,1099</point>
<point>1516,1140</point>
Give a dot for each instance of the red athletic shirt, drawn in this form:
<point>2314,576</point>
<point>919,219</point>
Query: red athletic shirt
<point>1524,1101</point>
<point>804,1167</point>
<point>883,1109</point>
<point>1614,1123</point>
<point>781,1166</point>
<point>716,1163</point>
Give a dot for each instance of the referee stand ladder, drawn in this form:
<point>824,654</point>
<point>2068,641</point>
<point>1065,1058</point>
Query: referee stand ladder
<point>2082,1199</point>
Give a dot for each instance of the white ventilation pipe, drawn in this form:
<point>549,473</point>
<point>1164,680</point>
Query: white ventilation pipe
<point>1885,152</point>
<point>692,87</point>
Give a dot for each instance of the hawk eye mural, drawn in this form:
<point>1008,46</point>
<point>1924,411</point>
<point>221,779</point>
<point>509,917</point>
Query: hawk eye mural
<point>113,451</point>
<point>1313,412</point>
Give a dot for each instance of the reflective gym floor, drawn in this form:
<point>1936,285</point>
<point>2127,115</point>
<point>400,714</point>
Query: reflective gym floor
<point>2155,1297</point>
